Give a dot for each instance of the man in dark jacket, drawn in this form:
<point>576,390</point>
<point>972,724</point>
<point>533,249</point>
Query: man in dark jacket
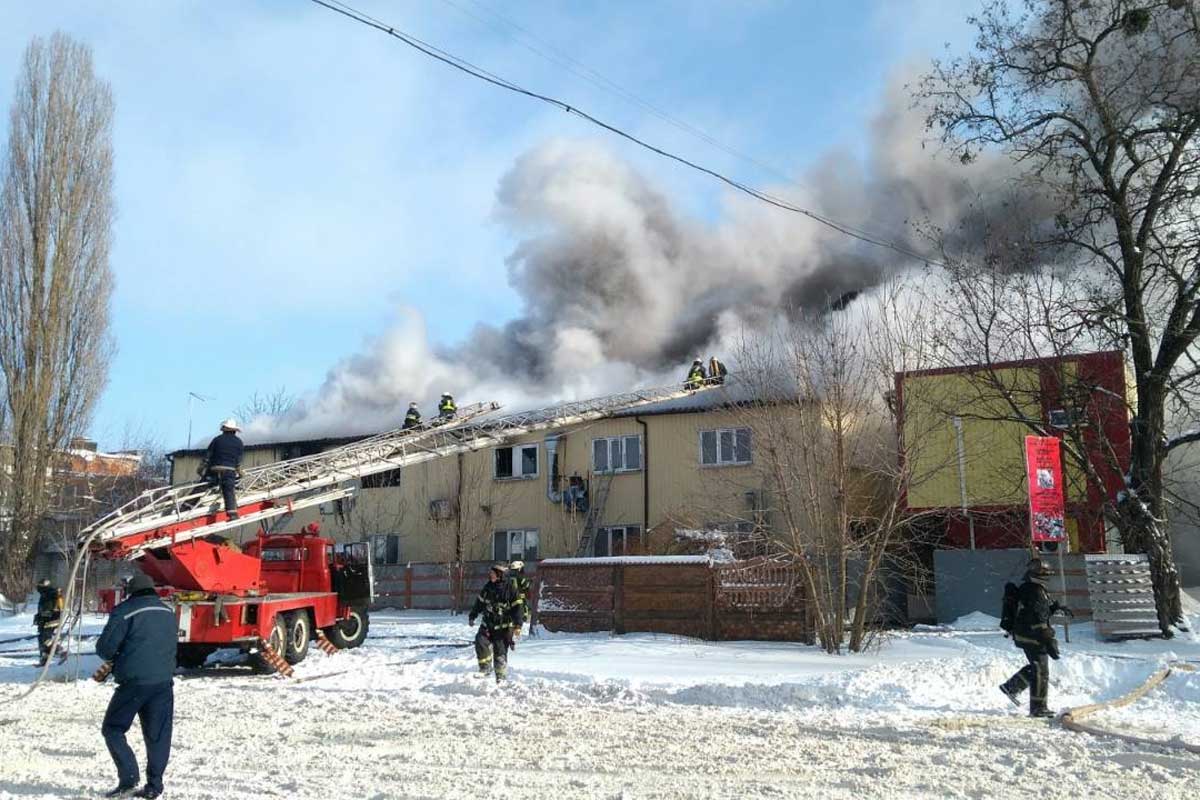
<point>47,618</point>
<point>1034,635</point>
<point>446,407</point>
<point>222,465</point>
<point>413,418</point>
<point>497,604</point>
<point>696,376</point>
<point>139,641</point>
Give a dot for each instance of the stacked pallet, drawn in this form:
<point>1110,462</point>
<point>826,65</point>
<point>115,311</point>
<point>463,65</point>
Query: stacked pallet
<point>1122,596</point>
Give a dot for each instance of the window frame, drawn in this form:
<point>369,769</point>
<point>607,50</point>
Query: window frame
<point>525,554</point>
<point>622,438</point>
<point>606,532</point>
<point>518,461</point>
<point>717,436</point>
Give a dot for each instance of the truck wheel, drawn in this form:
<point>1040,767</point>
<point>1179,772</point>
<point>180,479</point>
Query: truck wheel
<point>299,632</point>
<point>351,631</point>
<point>278,643</point>
<point>192,656</point>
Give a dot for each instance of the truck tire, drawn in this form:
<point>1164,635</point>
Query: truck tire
<point>192,656</point>
<point>351,631</point>
<point>278,642</point>
<point>299,633</point>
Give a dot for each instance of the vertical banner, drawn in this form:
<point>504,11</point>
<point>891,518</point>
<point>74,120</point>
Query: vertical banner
<point>1043,469</point>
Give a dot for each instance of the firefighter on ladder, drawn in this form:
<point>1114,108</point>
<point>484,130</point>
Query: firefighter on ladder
<point>501,617</point>
<point>716,371</point>
<point>47,618</point>
<point>413,418</point>
<point>696,376</point>
<point>222,464</point>
<point>446,407</point>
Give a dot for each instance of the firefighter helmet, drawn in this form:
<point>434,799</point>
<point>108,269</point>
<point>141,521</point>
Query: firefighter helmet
<point>230,425</point>
<point>517,565</point>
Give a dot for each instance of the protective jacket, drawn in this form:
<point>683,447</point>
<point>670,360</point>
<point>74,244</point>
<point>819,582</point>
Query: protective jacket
<point>497,603</point>
<point>412,419</point>
<point>139,640</point>
<point>446,407</point>
<point>695,376</point>
<point>49,605</point>
<point>1032,628</point>
<point>521,586</point>
<point>224,451</point>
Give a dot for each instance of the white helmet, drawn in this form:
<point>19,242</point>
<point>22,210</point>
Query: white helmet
<point>517,565</point>
<point>230,425</point>
<point>445,394</point>
<point>412,405</point>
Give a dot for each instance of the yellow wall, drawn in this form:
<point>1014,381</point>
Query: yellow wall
<point>682,492</point>
<point>993,437</point>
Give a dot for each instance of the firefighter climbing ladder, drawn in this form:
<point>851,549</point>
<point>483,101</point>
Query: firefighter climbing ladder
<point>603,483</point>
<point>178,513</point>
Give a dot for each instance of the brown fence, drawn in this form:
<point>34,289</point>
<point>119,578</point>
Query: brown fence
<point>684,595</point>
<point>433,584</point>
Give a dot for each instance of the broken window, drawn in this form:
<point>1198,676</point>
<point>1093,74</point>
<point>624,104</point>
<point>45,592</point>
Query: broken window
<point>511,545</point>
<point>519,461</point>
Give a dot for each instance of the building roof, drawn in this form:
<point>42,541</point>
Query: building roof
<point>319,443</point>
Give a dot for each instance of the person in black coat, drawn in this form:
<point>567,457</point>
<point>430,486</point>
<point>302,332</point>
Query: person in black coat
<point>47,618</point>
<point>1033,633</point>
<point>139,642</point>
<point>222,465</point>
<point>497,603</point>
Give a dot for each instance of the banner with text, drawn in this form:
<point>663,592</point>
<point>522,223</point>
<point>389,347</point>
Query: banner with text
<point>1043,469</point>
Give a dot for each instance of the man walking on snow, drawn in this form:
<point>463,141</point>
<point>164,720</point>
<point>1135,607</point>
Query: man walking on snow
<point>501,614</point>
<point>139,641</point>
<point>1031,631</point>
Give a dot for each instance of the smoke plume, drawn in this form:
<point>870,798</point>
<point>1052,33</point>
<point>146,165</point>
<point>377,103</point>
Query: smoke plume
<point>620,288</point>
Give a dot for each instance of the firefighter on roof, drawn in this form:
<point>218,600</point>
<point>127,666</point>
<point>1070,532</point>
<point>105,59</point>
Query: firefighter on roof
<point>1026,616</point>
<point>501,615</point>
<point>47,618</point>
<point>413,418</point>
<point>222,464</point>
<point>716,371</point>
<point>446,407</point>
<point>696,376</point>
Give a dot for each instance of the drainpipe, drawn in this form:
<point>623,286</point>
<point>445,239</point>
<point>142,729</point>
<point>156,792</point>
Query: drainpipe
<point>962,477</point>
<point>645,479</point>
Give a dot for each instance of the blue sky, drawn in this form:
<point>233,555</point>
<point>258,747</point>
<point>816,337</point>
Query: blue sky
<point>287,181</point>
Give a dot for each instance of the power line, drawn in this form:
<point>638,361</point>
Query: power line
<point>488,77</point>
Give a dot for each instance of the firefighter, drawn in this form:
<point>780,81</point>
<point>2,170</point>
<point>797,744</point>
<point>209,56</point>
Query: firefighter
<point>47,618</point>
<point>520,582</point>
<point>1034,635</point>
<point>446,407</point>
<point>413,418</point>
<point>501,615</point>
<point>716,371</point>
<point>139,642</point>
<point>696,376</point>
<point>222,464</point>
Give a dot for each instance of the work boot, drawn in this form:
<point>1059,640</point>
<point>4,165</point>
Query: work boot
<point>123,790</point>
<point>148,791</point>
<point>232,514</point>
<point>1044,713</point>
<point>1013,696</point>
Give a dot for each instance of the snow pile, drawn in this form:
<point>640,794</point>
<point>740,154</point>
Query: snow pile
<point>976,621</point>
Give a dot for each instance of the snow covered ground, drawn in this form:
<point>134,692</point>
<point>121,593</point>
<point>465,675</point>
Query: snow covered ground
<point>638,716</point>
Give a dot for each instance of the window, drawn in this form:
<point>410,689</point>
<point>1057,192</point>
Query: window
<point>618,540</point>
<point>725,446</point>
<point>617,454</point>
<point>520,461</point>
<point>385,549</point>
<point>381,480</point>
<point>515,544</point>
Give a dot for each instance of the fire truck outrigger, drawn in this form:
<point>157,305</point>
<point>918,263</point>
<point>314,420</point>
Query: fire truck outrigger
<point>272,596</point>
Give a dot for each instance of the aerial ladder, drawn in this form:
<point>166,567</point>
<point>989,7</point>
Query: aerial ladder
<point>279,592</point>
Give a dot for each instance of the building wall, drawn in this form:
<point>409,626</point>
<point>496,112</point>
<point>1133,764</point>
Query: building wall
<point>1092,386</point>
<point>682,492</point>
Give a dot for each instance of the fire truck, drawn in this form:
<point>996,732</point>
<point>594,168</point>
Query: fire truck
<point>272,597</point>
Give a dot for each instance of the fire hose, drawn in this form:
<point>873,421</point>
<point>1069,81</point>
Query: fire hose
<point>1071,718</point>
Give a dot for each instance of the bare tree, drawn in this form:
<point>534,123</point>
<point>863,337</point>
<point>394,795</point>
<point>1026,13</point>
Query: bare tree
<point>266,404</point>
<point>1100,103</point>
<point>56,212</point>
<point>827,450</point>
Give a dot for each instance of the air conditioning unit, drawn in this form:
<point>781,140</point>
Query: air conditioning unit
<point>440,510</point>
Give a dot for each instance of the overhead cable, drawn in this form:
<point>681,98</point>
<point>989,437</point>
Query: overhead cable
<point>496,80</point>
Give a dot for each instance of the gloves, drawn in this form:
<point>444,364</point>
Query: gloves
<point>238,473</point>
<point>471,619</point>
<point>200,470</point>
<point>1052,648</point>
<point>516,631</point>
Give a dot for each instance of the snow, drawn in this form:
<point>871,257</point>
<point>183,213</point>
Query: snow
<point>635,716</point>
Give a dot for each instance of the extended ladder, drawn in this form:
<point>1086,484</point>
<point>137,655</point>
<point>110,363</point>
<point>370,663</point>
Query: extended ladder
<point>591,522</point>
<point>167,515</point>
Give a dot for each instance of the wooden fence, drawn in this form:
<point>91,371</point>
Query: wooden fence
<point>683,595</point>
